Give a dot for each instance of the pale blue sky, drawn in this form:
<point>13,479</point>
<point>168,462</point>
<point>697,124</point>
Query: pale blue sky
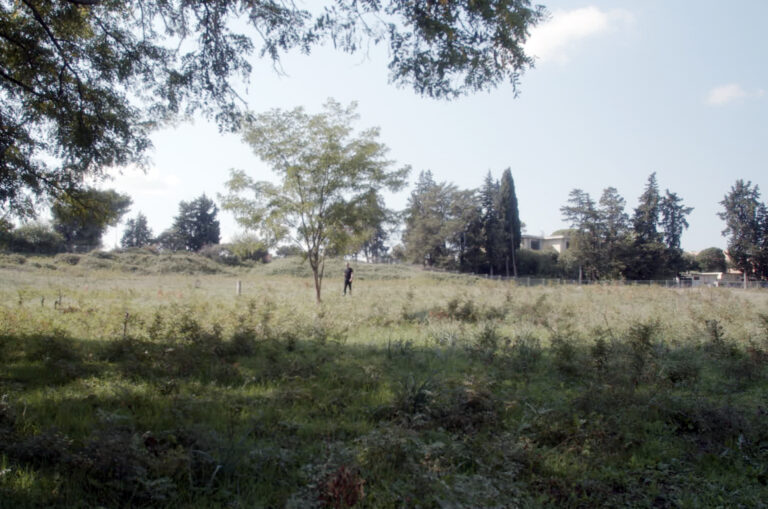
<point>620,89</point>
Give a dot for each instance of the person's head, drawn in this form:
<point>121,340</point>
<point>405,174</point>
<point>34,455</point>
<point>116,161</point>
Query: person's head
<point>347,264</point>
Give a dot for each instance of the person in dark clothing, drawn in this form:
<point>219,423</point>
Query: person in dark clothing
<point>348,279</point>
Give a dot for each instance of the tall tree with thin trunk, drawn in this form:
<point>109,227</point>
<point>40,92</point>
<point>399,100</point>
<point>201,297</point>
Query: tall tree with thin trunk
<point>509,217</point>
<point>614,231</point>
<point>582,215</point>
<point>492,233</point>
<point>329,179</point>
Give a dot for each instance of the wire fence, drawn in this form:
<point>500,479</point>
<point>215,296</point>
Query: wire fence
<point>683,282</point>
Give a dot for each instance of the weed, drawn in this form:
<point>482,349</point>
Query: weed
<point>565,356</point>
<point>486,342</point>
<point>682,367</point>
<point>600,352</point>
<point>342,488</point>
<point>525,354</point>
<point>399,347</point>
<point>640,339</point>
<point>413,398</point>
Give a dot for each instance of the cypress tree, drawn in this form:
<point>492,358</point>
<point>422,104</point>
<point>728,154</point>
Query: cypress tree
<point>509,218</point>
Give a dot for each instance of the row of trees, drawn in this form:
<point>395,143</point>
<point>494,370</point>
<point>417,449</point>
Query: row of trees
<point>606,243</point>
<point>195,226</point>
<point>468,230</point>
<point>479,231</point>
<point>79,221</point>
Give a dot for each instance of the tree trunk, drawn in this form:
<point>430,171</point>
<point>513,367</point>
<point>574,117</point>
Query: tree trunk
<point>314,262</point>
<point>514,263</point>
<point>317,284</point>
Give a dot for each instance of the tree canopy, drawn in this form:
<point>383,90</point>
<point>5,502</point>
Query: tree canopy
<point>84,82</point>
<point>137,232</point>
<point>196,225</point>
<point>81,218</point>
<point>746,226</point>
<point>330,179</point>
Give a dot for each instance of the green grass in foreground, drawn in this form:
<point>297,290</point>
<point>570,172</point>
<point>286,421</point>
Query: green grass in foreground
<point>167,390</point>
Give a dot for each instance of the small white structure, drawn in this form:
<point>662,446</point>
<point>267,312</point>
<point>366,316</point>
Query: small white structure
<point>714,278</point>
<point>540,243</point>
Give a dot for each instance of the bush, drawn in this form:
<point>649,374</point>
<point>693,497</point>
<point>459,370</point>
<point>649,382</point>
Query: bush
<point>537,263</point>
<point>250,248</point>
<point>220,253</point>
<point>37,238</point>
<point>286,251</point>
<point>69,258</point>
<point>711,260</point>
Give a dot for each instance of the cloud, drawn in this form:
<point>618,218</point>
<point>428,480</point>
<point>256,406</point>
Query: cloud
<point>152,183</point>
<point>553,39</point>
<point>725,94</point>
<point>732,92</point>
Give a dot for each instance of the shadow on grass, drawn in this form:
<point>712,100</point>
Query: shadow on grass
<point>283,421</point>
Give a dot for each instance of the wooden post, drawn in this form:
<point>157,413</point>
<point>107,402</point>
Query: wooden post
<point>239,287</point>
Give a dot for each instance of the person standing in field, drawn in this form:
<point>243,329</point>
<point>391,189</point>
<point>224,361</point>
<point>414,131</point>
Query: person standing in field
<point>348,279</point>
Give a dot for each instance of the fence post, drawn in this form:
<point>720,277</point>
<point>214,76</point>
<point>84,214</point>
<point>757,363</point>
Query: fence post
<point>239,287</point>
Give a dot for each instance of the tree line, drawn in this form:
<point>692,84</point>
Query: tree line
<point>479,231</point>
<point>79,221</point>
<point>466,230</point>
<point>608,243</point>
<point>476,231</point>
<point>328,202</point>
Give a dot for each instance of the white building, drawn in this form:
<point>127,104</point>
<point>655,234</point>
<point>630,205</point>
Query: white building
<point>539,243</point>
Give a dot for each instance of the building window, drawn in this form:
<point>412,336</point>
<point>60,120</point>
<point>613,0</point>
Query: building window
<point>567,244</point>
<point>535,244</point>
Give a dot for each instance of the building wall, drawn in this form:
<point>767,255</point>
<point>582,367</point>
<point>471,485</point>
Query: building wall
<point>536,243</point>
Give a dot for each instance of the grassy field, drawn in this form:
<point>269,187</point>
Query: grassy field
<point>143,380</point>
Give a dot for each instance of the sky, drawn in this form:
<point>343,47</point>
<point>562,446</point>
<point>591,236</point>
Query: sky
<point>620,89</point>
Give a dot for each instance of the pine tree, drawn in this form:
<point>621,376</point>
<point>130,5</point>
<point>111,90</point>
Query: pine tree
<point>746,226</point>
<point>137,232</point>
<point>647,212</point>
<point>673,219</point>
<point>614,226</point>
<point>583,217</point>
<point>492,233</point>
<point>196,225</point>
